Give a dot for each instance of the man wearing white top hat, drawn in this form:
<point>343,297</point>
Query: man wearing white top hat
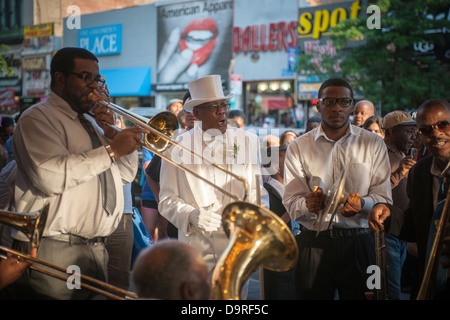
<point>188,202</point>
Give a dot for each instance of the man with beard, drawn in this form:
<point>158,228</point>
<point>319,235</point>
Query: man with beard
<point>335,250</point>
<point>426,190</point>
<point>72,163</point>
<point>192,205</point>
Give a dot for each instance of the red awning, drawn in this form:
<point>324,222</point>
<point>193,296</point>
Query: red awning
<point>274,103</point>
<point>7,98</point>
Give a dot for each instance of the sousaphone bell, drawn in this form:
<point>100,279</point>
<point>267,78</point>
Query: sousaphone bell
<point>258,237</point>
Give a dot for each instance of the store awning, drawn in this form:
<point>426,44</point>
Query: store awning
<point>128,81</point>
<point>274,103</point>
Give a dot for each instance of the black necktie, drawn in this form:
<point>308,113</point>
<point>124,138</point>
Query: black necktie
<point>108,189</point>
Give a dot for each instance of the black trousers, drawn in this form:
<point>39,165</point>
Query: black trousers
<point>333,267</point>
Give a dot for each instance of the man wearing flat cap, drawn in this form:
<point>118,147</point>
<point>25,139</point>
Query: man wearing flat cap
<point>187,201</point>
<point>400,132</point>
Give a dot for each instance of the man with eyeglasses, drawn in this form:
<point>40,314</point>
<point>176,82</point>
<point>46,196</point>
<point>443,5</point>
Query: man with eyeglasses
<point>427,187</point>
<point>76,164</point>
<point>336,247</point>
<point>192,205</point>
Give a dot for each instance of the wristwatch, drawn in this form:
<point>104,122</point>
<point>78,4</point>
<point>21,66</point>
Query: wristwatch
<point>110,153</point>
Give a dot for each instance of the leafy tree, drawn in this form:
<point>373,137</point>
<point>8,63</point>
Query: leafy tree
<point>386,69</point>
<point>4,68</point>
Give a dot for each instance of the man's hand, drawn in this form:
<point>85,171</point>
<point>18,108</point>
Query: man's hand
<point>405,165</point>
<point>353,205</point>
<point>313,200</point>
<point>206,219</point>
<point>377,216</point>
<point>127,141</point>
<point>12,268</point>
<point>104,117</point>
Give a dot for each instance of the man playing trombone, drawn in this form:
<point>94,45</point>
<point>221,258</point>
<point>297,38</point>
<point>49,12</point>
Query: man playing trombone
<point>79,166</point>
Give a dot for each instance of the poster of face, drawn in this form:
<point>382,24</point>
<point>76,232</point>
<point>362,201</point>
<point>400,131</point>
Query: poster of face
<point>194,40</point>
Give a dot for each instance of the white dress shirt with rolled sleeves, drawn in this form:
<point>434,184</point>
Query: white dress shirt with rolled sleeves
<point>315,160</point>
<point>56,163</point>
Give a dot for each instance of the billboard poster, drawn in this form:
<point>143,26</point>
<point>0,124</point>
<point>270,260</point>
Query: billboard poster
<point>194,40</point>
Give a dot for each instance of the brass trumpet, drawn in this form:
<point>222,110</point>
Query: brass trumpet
<point>162,127</point>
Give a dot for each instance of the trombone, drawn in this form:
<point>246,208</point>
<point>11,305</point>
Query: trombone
<point>66,278</point>
<point>161,137</point>
<point>381,261</point>
<point>254,231</point>
<point>32,224</point>
<point>426,291</point>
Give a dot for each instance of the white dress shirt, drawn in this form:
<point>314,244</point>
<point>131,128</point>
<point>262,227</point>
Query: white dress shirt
<point>56,164</point>
<point>315,160</point>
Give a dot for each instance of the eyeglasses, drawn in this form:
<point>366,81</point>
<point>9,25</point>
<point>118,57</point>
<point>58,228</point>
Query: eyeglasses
<point>442,126</point>
<point>331,102</point>
<point>89,78</point>
<point>224,106</point>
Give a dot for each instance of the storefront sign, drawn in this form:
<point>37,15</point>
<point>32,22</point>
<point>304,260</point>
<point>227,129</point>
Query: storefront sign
<point>34,63</point>
<point>38,39</point>
<point>292,58</point>
<point>104,40</point>
<point>274,36</point>
<point>38,31</point>
<point>315,21</point>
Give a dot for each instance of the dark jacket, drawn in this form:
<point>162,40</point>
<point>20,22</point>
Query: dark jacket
<point>415,221</point>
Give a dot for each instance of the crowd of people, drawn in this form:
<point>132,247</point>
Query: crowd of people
<point>390,172</point>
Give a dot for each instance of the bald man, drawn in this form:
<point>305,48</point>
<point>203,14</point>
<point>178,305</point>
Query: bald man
<point>364,109</point>
<point>171,270</point>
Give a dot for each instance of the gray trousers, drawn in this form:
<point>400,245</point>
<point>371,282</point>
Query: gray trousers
<point>91,259</point>
<point>120,247</point>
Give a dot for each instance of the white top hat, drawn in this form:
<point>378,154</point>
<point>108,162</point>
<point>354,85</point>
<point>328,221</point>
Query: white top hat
<point>203,90</point>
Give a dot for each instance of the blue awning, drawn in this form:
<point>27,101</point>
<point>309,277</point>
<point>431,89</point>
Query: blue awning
<point>128,81</point>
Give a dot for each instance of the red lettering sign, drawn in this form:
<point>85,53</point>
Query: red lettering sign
<point>274,37</point>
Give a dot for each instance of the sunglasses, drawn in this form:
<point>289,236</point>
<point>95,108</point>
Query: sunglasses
<point>442,126</point>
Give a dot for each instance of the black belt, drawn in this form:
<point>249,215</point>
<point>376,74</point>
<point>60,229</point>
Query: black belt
<point>72,239</point>
<point>341,232</point>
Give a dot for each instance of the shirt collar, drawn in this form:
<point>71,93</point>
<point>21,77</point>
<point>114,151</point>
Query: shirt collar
<point>350,130</point>
<point>205,136</point>
<point>435,171</point>
<point>62,105</point>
